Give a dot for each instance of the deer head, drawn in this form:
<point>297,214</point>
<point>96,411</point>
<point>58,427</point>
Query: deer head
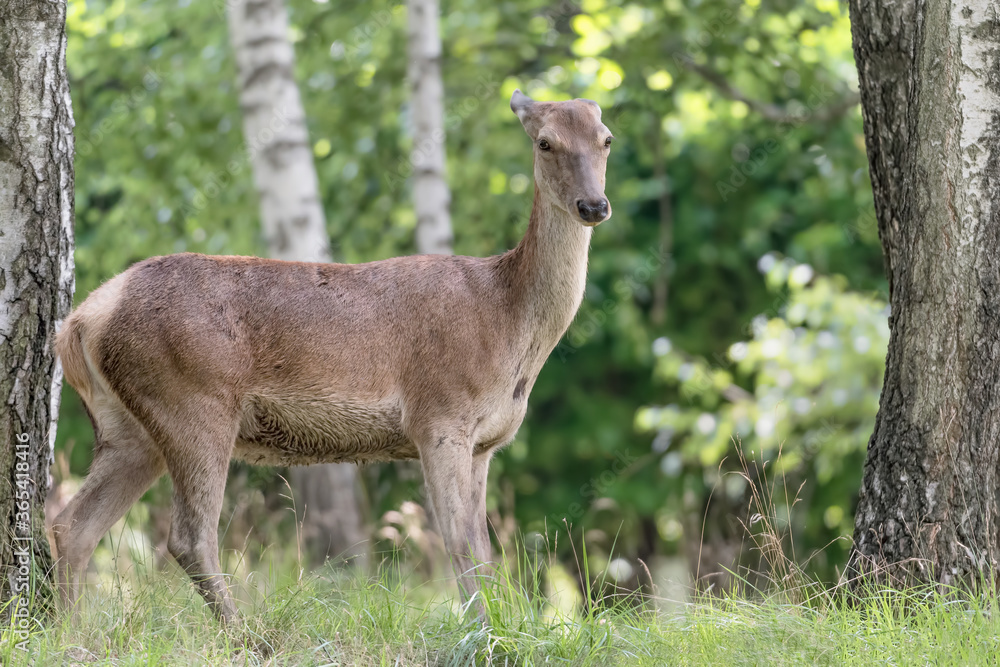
<point>571,154</point>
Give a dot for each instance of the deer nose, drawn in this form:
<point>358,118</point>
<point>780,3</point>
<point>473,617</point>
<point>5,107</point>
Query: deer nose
<point>592,210</point>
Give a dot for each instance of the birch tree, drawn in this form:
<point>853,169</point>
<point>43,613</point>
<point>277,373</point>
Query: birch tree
<point>431,197</point>
<point>36,272</point>
<point>930,94</point>
<point>295,229</point>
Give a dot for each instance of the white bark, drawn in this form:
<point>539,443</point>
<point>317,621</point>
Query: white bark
<point>295,229</point>
<point>976,23</point>
<point>274,127</point>
<point>36,251</point>
<point>431,197</point>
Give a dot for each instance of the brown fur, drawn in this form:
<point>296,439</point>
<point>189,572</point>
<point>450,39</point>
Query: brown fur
<point>187,361</point>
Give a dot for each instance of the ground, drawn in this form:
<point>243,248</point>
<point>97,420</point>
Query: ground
<point>150,617</point>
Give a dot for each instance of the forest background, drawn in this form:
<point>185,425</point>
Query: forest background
<point>735,301</point>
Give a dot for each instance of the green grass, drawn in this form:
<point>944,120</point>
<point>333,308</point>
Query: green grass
<point>336,619</point>
<point>134,614</point>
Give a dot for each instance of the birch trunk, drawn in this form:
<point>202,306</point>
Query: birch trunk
<point>431,197</point>
<point>930,93</point>
<point>327,496</point>
<point>36,273</point>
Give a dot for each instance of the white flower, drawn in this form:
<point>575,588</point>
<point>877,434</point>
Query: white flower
<point>705,423</point>
<point>662,346</point>
<point>764,428</point>
<point>766,263</point>
<point>620,569</point>
<point>801,275</point>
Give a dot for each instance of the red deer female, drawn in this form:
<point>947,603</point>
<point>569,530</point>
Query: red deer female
<point>187,361</point>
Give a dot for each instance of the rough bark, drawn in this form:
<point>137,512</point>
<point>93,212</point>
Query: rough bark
<point>327,496</point>
<point>431,196</point>
<point>36,273</point>
<point>929,73</point>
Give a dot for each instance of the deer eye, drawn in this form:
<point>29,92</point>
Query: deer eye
<point>607,142</point>
<point>544,145</point>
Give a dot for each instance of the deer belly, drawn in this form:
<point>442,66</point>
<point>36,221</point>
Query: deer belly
<point>299,432</point>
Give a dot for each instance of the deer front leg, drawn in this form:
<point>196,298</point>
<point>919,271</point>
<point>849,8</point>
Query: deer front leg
<point>456,483</point>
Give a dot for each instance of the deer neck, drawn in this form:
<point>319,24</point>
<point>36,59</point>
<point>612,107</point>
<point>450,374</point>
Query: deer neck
<point>547,271</point>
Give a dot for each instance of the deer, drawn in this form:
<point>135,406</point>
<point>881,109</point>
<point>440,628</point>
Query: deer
<point>187,361</point>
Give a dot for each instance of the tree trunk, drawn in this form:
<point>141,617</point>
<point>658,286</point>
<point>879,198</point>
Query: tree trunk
<point>36,276</point>
<point>431,197</point>
<point>327,496</point>
<point>930,94</point>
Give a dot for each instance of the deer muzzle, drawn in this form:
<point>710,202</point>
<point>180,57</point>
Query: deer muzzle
<point>593,210</point>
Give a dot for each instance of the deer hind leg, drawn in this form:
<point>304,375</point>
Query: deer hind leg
<point>126,463</point>
<point>456,483</point>
<point>198,462</point>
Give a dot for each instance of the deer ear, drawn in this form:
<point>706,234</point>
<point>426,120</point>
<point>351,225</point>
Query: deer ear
<point>520,104</point>
<point>593,104</point>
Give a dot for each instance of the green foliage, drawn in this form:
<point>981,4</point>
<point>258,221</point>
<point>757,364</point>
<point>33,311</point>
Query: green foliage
<point>814,365</point>
<point>162,167</point>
